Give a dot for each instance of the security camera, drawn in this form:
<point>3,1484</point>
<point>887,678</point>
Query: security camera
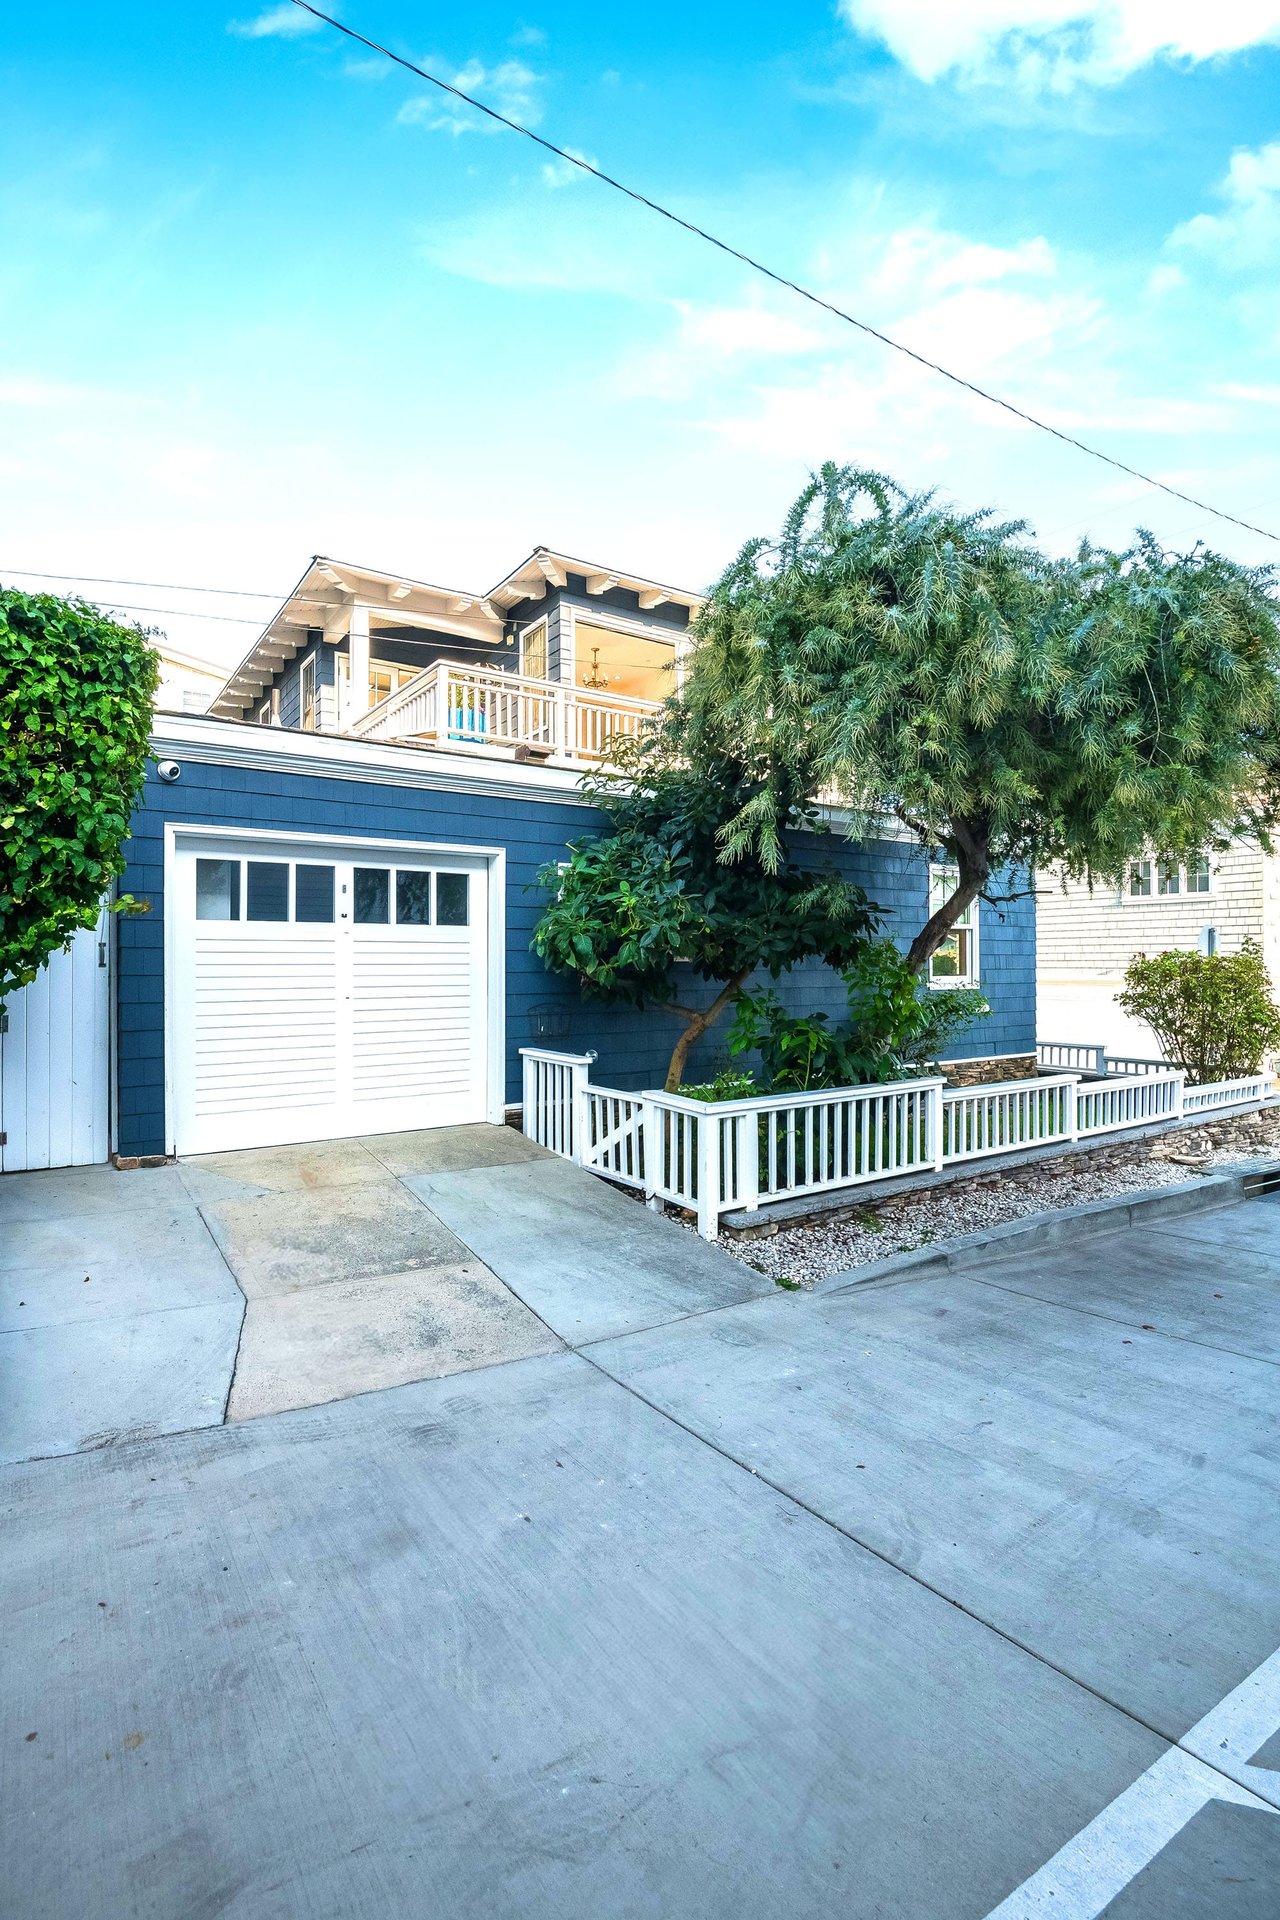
<point>168,770</point>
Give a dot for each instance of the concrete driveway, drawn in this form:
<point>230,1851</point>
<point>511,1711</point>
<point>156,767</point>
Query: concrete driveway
<point>951,1597</point>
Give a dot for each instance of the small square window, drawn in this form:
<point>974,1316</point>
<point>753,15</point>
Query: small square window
<point>267,890</point>
<point>1140,880</point>
<point>453,899</point>
<point>1198,876</point>
<point>217,889</point>
<point>413,899</point>
<point>372,896</point>
<point>313,893</point>
<point>1168,877</point>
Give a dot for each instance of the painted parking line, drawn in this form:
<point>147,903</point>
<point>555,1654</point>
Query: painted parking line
<point>1086,1875</point>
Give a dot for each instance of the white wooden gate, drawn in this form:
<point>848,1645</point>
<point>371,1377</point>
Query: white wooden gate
<point>55,1052</point>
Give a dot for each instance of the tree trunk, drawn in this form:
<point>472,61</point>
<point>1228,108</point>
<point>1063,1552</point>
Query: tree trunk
<point>975,870</point>
<point>698,1024</point>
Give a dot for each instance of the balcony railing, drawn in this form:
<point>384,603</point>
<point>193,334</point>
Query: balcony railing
<point>451,705</point>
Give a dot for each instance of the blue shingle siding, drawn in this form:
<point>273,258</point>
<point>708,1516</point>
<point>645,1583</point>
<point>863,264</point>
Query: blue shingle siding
<point>633,1047</point>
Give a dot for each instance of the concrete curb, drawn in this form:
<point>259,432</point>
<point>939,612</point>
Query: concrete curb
<point>1061,1227</point>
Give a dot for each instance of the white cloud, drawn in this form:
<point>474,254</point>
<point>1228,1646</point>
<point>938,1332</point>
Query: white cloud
<point>1247,231</point>
<point>563,173</point>
<point>286,22</point>
<point>510,87</point>
<point>1056,44</point>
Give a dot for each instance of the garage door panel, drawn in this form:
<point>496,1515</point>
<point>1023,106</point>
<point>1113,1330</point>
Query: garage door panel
<point>300,1030</point>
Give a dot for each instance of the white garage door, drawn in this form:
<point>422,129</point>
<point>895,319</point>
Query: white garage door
<point>320,991</point>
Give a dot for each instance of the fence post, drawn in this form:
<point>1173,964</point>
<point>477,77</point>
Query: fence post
<point>748,1127</point>
<point>708,1124</point>
<point>651,1125</point>
<point>579,1113</point>
<point>937,1120</point>
<point>528,1119</point>
<point>1179,1096</point>
<point>1073,1107</point>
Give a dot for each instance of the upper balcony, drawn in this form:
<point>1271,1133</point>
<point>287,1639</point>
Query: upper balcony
<point>477,710</point>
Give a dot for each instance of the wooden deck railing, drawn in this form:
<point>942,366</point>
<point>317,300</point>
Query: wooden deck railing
<point>450,704</point>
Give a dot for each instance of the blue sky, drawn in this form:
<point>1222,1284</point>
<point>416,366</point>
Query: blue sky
<point>262,297</point>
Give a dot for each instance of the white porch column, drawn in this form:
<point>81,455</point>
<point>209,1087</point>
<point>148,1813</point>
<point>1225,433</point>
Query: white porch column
<point>358,645</point>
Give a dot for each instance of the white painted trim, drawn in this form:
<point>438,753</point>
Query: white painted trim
<point>973,977</point>
<point>241,743</point>
<point>344,757</point>
<point>345,846</point>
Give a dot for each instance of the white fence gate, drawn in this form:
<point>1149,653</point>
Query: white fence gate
<point>55,1052</point>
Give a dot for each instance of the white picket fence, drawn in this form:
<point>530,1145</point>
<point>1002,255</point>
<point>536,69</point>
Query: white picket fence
<point>716,1158</point>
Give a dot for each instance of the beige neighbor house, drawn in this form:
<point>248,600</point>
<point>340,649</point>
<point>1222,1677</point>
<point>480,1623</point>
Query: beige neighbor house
<point>1085,940</point>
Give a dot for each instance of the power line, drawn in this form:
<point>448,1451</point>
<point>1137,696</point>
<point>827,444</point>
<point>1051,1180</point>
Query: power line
<point>154,586</point>
<point>779,279</point>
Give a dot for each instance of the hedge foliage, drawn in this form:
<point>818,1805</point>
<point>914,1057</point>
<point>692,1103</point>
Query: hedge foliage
<point>1215,1015</point>
<point>76,694</point>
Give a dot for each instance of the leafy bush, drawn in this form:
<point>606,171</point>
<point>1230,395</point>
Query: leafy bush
<point>895,1024</point>
<point>1215,1015</point>
<point>634,909</point>
<point>76,692</point>
<point>727,1085</point>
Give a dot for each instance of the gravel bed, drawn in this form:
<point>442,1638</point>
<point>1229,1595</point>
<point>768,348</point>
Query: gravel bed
<point>805,1254</point>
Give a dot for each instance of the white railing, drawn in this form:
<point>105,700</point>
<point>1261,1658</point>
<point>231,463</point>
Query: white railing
<point>555,1099</point>
<point>1216,1094</point>
<point>451,704</point>
<point>1006,1115</point>
<point>1106,1106</point>
<point>1066,1053</point>
<point>714,1157</point>
<point>1119,1064</point>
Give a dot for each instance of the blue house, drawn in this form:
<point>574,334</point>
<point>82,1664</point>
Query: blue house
<point>339,862</point>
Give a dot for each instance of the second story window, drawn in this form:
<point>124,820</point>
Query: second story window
<point>307,693</point>
<point>1167,879</point>
<point>386,678</point>
<point>533,651</point>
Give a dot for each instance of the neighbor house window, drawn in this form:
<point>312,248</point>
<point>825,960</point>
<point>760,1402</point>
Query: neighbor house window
<point>307,693</point>
<point>955,964</point>
<point>1167,879</point>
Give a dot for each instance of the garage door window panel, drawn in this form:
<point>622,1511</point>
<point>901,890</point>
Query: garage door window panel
<point>413,898</point>
<point>372,896</point>
<point>217,889</point>
<point>453,900</point>
<point>267,891</point>
<point>313,895</point>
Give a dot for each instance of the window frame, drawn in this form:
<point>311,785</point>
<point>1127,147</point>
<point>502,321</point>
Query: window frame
<point>1158,873</point>
<point>968,925</point>
<point>309,663</point>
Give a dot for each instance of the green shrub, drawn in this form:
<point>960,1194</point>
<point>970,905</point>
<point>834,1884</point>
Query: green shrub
<point>76,691</point>
<point>895,1024</point>
<point>1215,1015</point>
<point>727,1085</point>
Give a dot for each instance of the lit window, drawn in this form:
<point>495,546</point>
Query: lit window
<point>533,651</point>
<point>385,678</point>
<point>955,964</point>
<point>1140,880</point>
